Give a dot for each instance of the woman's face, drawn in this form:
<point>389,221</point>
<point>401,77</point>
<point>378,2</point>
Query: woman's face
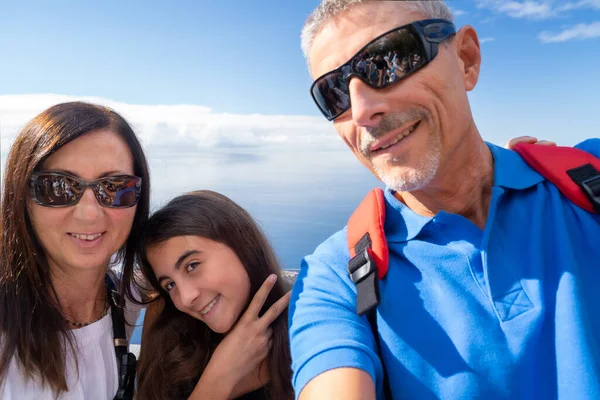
<point>84,236</point>
<point>204,279</point>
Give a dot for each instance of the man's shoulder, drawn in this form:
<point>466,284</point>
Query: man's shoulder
<point>333,245</point>
<point>332,253</point>
<point>328,262</point>
<point>592,146</point>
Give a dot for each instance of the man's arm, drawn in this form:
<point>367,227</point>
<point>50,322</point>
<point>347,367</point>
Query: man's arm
<point>333,350</point>
<point>340,383</point>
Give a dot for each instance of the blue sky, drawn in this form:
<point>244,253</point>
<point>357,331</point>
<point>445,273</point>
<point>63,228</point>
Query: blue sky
<point>244,56</point>
<point>234,56</point>
<point>218,92</point>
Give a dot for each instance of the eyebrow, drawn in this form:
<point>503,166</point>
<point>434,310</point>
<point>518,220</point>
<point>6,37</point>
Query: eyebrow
<point>102,175</point>
<point>180,261</point>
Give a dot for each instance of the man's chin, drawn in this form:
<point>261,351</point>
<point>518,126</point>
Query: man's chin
<point>405,179</point>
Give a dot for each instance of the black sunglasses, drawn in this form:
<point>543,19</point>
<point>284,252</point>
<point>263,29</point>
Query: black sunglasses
<point>385,60</point>
<point>57,189</point>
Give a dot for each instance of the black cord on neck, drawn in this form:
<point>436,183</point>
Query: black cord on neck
<point>126,361</point>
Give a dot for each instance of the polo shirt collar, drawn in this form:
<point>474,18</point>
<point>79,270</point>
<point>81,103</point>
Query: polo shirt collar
<point>510,172</point>
<point>401,223</point>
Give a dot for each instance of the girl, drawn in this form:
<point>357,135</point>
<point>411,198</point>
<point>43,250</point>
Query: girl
<point>218,329</point>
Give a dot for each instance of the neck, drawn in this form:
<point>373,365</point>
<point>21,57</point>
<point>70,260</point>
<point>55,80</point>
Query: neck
<point>462,185</point>
<point>81,293</point>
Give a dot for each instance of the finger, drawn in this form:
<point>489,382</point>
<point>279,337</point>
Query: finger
<point>521,139</point>
<point>260,297</point>
<point>276,309</point>
<point>546,143</point>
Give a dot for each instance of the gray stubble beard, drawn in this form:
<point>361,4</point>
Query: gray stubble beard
<point>410,179</point>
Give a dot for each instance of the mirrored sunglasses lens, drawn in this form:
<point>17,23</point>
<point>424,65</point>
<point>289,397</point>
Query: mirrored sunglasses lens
<point>389,58</point>
<point>331,94</point>
<point>56,190</point>
<point>119,191</point>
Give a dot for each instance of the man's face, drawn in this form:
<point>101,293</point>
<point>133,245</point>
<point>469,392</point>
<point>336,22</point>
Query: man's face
<point>404,132</point>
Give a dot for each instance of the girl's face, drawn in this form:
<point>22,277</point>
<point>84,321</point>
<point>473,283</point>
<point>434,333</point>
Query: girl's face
<point>84,236</point>
<point>204,279</point>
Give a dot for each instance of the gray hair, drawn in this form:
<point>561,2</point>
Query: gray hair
<point>330,9</point>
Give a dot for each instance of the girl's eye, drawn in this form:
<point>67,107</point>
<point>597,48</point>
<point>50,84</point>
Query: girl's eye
<point>192,266</point>
<point>169,286</point>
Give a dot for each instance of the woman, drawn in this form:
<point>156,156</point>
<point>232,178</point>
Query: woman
<point>76,193</point>
<point>217,331</point>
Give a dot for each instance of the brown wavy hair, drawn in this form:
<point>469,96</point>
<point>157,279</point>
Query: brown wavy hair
<point>32,327</point>
<point>176,348</point>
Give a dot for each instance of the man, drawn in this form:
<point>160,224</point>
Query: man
<point>491,289</point>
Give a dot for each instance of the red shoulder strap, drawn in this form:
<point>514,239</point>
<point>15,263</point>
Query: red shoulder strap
<point>554,162</point>
<point>369,218</point>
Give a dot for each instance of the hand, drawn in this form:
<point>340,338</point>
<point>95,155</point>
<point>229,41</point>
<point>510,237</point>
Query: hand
<point>527,139</point>
<point>250,341</point>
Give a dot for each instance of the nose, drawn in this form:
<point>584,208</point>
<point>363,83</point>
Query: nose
<point>87,208</point>
<point>369,105</point>
<point>188,294</point>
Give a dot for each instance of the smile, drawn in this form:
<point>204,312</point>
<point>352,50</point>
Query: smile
<point>210,305</point>
<point>386,143</point>
<point>88,237</point>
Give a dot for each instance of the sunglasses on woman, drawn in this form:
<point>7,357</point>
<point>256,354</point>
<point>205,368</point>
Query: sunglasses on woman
<point>385,60</point>
<point>57,189</point>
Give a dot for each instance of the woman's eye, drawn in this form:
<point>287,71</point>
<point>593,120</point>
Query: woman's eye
<point>192,266</point>
<point>169,286</point>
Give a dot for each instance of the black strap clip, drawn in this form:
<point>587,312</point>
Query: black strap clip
<point>363,272</point>
<point>127,367</point>
<point>588,179</point>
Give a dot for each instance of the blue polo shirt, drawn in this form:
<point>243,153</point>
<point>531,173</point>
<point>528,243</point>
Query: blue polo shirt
<point>508,312</point>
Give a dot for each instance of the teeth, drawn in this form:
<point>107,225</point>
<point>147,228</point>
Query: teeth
<point>401,136</point>
<point>86,237</point>
<point>210,306</point>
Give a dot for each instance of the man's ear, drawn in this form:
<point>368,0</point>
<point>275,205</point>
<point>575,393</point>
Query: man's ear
<point>469,55</point>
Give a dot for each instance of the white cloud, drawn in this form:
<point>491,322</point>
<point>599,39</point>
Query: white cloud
<point>536,9</point>
<point>532,9</point>
<point>486,39</point>
<point>577,32</point>
<point>457,13</point>
<point>184,128</point>
<point>580,4</point>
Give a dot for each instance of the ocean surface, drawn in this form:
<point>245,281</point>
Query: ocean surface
<point>299,198</point>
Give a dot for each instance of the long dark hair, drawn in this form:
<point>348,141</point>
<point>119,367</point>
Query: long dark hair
<point>31,324</point>
<point>177,347</point>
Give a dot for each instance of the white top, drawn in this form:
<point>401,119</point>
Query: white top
<point>98,371</point>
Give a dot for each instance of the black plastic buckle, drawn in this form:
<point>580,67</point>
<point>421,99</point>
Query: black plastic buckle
<point>363,272</point>
<point>360,266</point>
<point>126,377</point>
<point>591,186</point>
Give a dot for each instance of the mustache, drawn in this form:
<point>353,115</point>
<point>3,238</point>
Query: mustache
<point>389,123</point>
